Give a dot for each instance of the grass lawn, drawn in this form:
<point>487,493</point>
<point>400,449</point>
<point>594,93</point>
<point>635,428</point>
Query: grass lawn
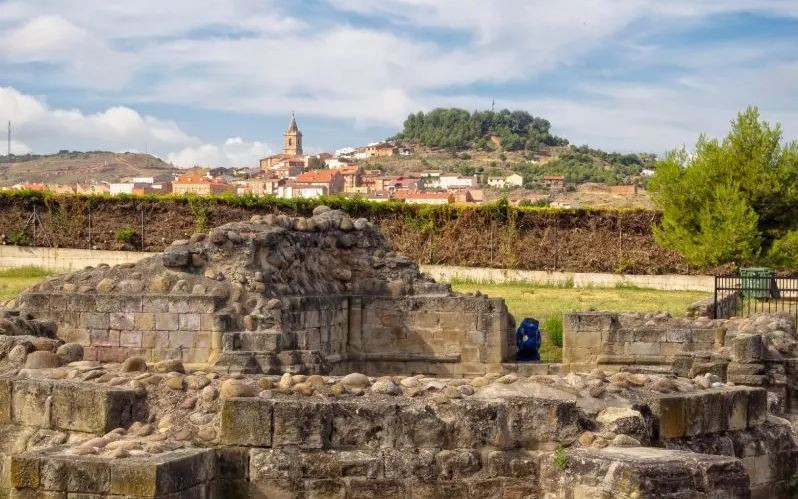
<point>542,303</point>
<point>14,281</point>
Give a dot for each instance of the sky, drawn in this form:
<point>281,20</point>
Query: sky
<point>214,82</point>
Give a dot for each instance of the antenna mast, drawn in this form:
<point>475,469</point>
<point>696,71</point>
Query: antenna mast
<point>9,140</point>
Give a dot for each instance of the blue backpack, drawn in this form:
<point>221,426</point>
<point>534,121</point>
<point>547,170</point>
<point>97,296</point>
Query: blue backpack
<point>527,340</point>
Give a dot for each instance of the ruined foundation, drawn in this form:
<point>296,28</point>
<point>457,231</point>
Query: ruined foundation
<point>300,357</point>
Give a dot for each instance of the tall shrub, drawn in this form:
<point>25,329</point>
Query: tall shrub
<point>732,197</point>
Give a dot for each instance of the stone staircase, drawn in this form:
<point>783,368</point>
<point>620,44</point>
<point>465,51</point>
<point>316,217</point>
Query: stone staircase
<point>267,352</point>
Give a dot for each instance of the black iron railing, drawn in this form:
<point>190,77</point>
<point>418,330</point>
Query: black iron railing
<point>746,295</point>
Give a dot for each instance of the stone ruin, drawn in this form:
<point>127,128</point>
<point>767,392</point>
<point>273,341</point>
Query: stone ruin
<point>301,357</point>
<point>278,294</point>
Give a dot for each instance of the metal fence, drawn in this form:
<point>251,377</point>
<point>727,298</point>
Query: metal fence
<point>743,296</point>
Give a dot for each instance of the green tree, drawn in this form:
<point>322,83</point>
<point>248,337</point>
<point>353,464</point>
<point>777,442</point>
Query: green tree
<point>731,197</point>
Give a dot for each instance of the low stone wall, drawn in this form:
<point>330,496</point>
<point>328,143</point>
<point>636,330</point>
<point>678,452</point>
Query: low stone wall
<point>445,335</point>
<point>115,327</point>
<point>64,259</point>
<point>66,406</point>
<point>599,338</point>
<point>672,282</point>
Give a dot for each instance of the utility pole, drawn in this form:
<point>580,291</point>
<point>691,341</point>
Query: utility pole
<point>9,141</point>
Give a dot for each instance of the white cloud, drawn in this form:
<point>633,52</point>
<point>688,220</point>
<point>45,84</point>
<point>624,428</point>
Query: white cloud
<point>234,152</point>
<point>42,128</point>
<point>81,58</point>
<point>259,58</point>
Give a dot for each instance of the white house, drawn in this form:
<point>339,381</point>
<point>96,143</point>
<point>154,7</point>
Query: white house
<point>497,182</point>
<point>514,179</point>
<point>457,182</point>
<point>117,189</point>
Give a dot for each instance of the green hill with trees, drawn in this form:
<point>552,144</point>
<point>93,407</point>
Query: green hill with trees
<point>459,130</point>
<point>496,143</point>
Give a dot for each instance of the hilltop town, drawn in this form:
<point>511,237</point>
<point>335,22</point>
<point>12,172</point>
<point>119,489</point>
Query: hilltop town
<point>402,168</point>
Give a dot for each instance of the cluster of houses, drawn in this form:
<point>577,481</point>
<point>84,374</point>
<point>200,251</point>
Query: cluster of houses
<point>294,174</point>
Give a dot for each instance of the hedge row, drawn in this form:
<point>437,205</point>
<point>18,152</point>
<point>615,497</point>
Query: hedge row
<point>492,235</point>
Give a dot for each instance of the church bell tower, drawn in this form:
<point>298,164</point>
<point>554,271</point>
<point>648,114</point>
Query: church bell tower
<point>292,139</point>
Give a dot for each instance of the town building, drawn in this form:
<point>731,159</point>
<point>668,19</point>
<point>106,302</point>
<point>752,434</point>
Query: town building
<point>554,182</point>
<point>318,183</point>
<point>353,176</point>
<point>200,186</point>
<point>425,197</point>
<point>376,150</point>
<point>261,186</point>
<point>457,182</point>
<point>93,187</point>
<point>292,149</point>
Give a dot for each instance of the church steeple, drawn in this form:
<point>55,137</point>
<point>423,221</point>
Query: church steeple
<point>292,139</point>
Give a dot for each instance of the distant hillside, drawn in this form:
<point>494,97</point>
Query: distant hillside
<point>458,129</point>
<point>491,143</point>
<point>69,167</point>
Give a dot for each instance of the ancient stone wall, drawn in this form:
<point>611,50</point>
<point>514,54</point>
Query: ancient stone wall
<point>599,338</point>
<point>278,294</point>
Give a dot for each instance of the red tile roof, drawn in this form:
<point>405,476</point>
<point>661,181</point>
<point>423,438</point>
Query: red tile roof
<point>317,176</point>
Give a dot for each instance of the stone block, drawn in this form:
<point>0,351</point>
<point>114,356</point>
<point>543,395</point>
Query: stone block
<point>189,322</point>
<point>24,472</point>
<point>757,406</point>
<point>476,423</point>
<point>586,339</point>
<point>181,339</point>
<point>94,409</point>
<point>35,301</point>
<point>305,424</point>
<point>6,388</point>
<point>649,335</point>
<point>678,336</point>
<point>31,402</point>
<point>246,422</point>
<point>81,303</point>
<point>747,348</point>
<point>104,338</point>
<point>58,303</point>
<point>356,425</point>
<point>155,339</point>
<point>672,416</point>
<point>738,410</point>
<point>325,489</point>
<point>590,321</point>
<point>155,304</point>
<point>369,489</point>
<point>167,322</point>
<point>94,320</point>
<point>130,339</point>
<point>422,428</point>
<point>192,304</point>
<point>118,303</point>
<point>122,320</point>
<point>640,348</point>
<point>168,473</point>
<point>145,321</point>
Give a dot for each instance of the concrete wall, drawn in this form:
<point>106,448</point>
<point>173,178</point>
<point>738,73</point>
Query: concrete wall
<point>445,273</point>
<point>64,259</point>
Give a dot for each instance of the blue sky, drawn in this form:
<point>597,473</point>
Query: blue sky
<point>214,82</point>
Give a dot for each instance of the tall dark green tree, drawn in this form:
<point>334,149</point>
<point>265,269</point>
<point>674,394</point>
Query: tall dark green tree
<point>733,198</point>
